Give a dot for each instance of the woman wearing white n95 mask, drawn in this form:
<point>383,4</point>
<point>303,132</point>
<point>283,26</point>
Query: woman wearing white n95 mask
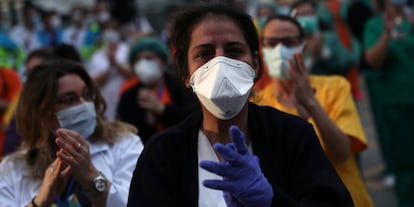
<point>230,152</point>
<point>69,154</point>
<point>155,98</point>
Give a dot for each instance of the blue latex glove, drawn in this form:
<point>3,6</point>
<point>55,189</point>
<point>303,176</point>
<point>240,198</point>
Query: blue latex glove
<point>243,182</point>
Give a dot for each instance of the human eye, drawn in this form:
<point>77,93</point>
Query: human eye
<point>291,42</point>
<point>203,55</point>
<point>68,100</point>
<point>88,95</point>
<point>235,52</point>
<point>270,42</point>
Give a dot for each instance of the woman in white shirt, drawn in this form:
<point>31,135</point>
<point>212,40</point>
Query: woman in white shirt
<point>69,155</point>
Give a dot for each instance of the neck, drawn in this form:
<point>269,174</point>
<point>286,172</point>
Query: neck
<point>218,130</point>
<point>156,85</point>
<point>282,88</point>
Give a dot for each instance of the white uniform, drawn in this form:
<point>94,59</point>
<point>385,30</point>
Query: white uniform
<point>27,40</point>
<point>75,36</point>
<point>117,162</point>
<point>110,89</point>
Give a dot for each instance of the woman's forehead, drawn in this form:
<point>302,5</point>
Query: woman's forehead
<point>70,82</point>
<point>216,28</point>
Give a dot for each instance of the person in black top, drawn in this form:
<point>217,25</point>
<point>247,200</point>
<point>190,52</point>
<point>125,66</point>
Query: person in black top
<point>231,152</point>
<point>157,99</point>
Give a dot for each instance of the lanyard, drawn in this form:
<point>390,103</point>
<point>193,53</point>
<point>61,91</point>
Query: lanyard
<point>160,92</point>
<point>61,203</point>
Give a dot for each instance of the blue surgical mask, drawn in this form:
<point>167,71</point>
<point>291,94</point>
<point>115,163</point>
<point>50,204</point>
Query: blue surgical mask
<point>399,2</point>
<point>285,10</point>
<point>262,21</point>
<point>277,60</point>
<point>80,118</point>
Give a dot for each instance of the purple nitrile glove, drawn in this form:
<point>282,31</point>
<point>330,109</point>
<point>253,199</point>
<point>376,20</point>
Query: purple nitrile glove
<point>243,182</point>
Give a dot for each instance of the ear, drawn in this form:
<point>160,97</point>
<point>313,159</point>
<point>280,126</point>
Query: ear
<point>187,82</point>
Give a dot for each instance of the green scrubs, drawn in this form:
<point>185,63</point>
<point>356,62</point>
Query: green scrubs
<point>393,87</point>
<point>339,60</point>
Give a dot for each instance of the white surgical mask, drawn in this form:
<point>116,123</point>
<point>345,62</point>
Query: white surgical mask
<point>277,60</point>
<point>104,16</point>
<point>56,22</point>
<point>80,118</point>
<point>148,71</point>
<point>223,86</point>
<point>110,36</point>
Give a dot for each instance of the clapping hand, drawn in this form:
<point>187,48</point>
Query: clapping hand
<point>243,182</point>
<point>54,182</point>
<point>304,94</point>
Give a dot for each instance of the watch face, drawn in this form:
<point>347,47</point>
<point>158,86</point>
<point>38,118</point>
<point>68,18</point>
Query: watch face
<point>100,184</point>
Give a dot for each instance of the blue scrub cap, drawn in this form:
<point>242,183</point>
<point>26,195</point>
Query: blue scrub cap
<point>149,44</point>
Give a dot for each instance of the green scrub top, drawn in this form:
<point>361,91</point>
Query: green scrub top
<point>340,59</point>
<point>396,75</point>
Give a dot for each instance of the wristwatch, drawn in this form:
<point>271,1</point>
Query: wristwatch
<point>99,183</point>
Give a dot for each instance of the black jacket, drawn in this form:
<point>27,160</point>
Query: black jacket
<point>290,156</point>
<point>183,102</point>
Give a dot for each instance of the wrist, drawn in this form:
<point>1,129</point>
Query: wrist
<point>311,104</point>
<point>37,201</point>
<point>96,186</point>
<point>387,35</point>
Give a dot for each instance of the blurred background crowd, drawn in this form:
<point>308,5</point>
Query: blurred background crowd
<point>369,40</point>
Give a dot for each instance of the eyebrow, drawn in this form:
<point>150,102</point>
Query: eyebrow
<point>72,92</point>
<point>235,43</point>
<point>210,45</point>
<point>203,46</point>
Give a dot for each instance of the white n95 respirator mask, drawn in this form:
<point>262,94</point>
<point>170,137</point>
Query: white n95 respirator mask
<point>223,86</point>
<point>80,118</point>
<point>148,71</point>
<point>277,60</point>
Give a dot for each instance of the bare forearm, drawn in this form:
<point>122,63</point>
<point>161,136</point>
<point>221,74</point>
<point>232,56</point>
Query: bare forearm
<point>123,70</point>
<point>337,145</point>
<point>376,55</point>
<point>101,78</point>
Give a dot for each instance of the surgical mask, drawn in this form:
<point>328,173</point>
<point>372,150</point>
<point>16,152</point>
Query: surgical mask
<point>55,22</point>
<point>77,15</point>
<point>80,118</point>
<point>223,86</point>
<point>277,60</point>
<point>284,10</point>
<point>90,19</point>
<point>309,24</point>
<point>399,2</point>
<point>262,21</point>
<point>104,17</point>
<point>110,36</point>
<point>148,71</point>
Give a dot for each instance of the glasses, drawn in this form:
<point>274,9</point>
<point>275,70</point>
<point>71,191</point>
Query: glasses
<point>70,99</point>
<point>286,41</point>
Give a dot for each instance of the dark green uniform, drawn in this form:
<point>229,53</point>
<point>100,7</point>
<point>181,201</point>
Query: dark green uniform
<point>392,95</point>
